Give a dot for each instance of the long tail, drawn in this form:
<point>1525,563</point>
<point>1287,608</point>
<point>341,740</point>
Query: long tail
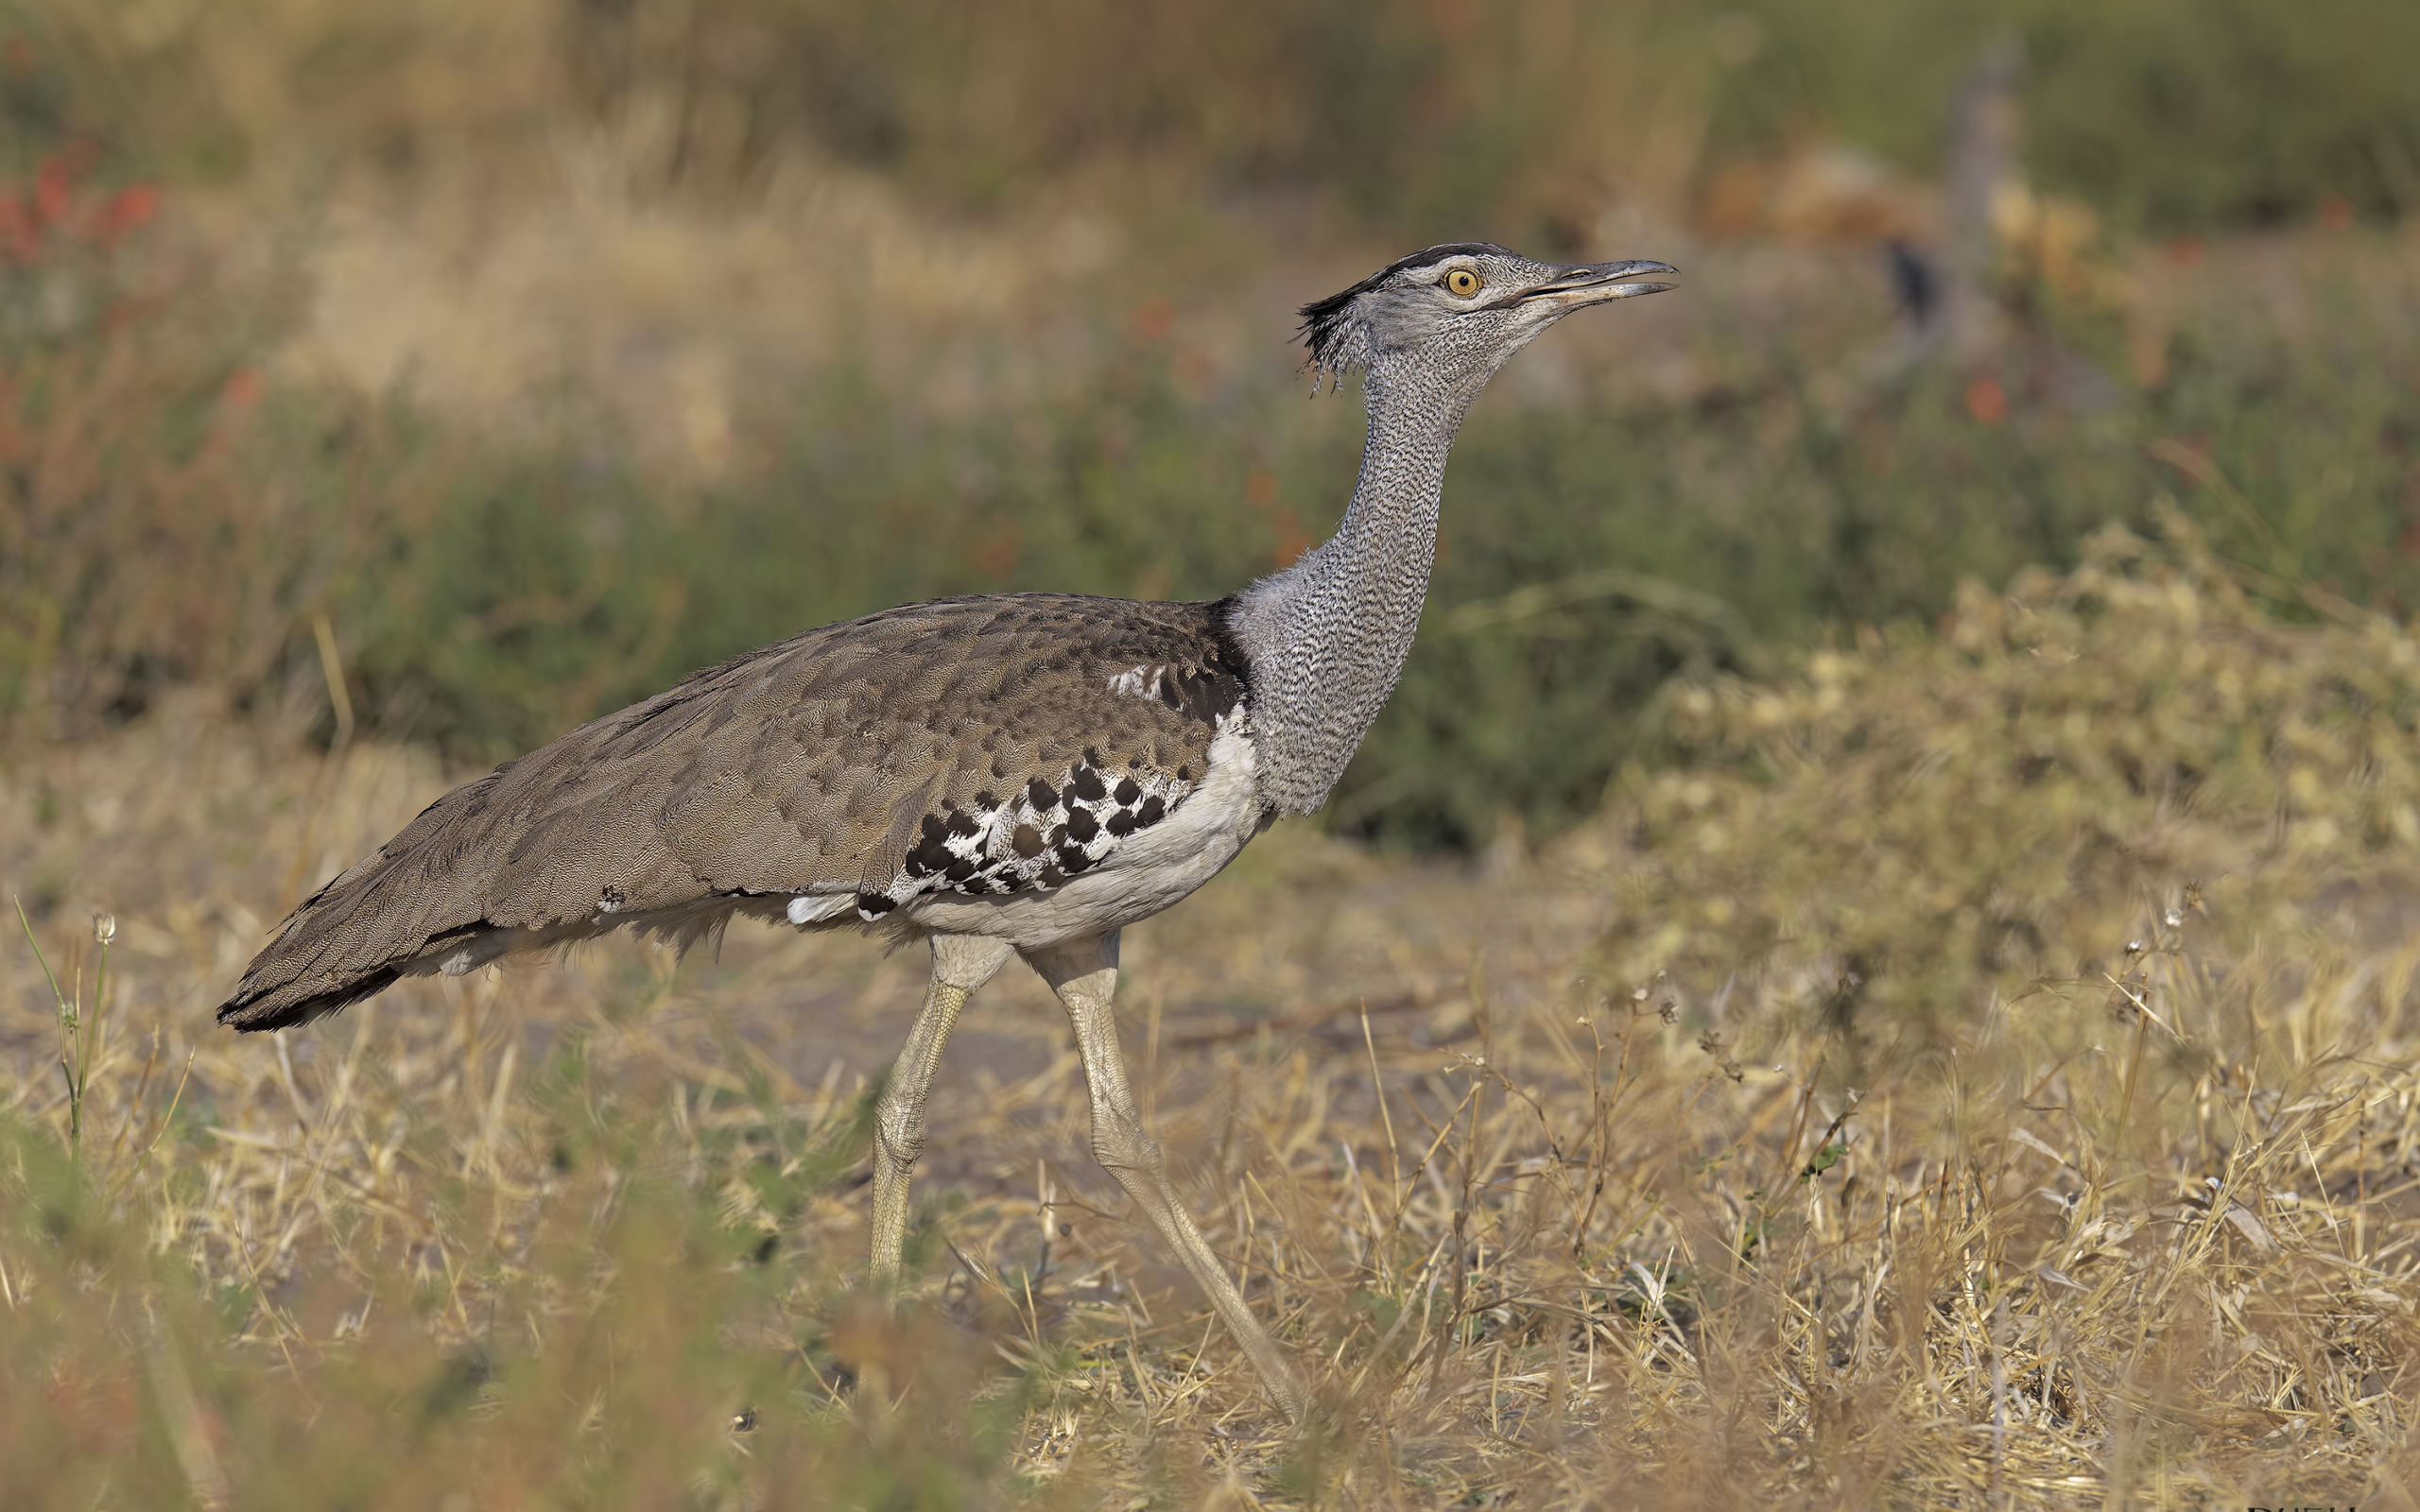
<point>410,909</point>
<point>453,892</point>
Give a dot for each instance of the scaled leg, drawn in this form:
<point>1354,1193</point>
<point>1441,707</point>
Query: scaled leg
<point>1084,974</point>
<point>961,963</point>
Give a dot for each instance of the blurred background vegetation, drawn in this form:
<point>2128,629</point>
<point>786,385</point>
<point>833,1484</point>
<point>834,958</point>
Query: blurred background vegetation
<point>544,351</point>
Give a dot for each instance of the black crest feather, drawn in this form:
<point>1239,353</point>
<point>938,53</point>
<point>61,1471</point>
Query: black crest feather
<point>1327,325</point>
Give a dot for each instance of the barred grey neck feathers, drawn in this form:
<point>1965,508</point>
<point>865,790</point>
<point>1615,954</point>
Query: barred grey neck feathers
<point>1327,637</point>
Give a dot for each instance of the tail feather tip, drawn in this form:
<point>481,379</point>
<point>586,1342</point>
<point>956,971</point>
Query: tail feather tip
<point>283,1006</point>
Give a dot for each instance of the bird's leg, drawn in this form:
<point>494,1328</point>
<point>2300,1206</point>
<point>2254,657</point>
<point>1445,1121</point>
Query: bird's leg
<point>1084,974</point>
<point>961,963</point>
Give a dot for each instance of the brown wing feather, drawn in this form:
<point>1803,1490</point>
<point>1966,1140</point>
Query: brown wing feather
<point>900,753</point>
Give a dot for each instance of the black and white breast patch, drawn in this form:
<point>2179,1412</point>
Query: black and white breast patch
<point>1033,838</point>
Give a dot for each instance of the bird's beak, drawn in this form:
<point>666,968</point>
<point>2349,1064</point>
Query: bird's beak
<point>1580,284</point>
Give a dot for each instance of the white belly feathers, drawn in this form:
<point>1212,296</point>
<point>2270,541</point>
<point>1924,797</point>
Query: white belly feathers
<point>1148,870</point>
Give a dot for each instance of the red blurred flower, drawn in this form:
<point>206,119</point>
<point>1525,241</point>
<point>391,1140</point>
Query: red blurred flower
<point>1986,400</point>
<point>1151,320</point>
<point>54,181</point>
<point>128,211</point>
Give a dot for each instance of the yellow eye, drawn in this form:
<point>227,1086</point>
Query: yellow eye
<point>1462,282</point>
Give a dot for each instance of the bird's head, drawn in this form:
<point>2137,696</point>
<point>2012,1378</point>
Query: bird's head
<point>1463,308</point>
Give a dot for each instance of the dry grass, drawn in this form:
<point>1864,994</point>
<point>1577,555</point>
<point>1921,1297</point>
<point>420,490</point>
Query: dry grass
<point>2136,1233</point>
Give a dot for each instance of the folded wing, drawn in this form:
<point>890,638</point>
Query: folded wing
<point>998,743</point>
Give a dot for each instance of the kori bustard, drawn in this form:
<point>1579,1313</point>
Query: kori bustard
<point>1011,774</point>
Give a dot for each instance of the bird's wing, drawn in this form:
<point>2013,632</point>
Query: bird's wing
<point>979,745</point>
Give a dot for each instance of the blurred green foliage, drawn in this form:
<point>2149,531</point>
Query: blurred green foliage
<point>1505,114</point>
<point>1512,116</point>
<point>1496,112</point>
<point>2170,114</point>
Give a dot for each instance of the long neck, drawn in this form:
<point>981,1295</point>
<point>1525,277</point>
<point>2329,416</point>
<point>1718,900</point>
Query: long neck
<point>1327,637</point>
